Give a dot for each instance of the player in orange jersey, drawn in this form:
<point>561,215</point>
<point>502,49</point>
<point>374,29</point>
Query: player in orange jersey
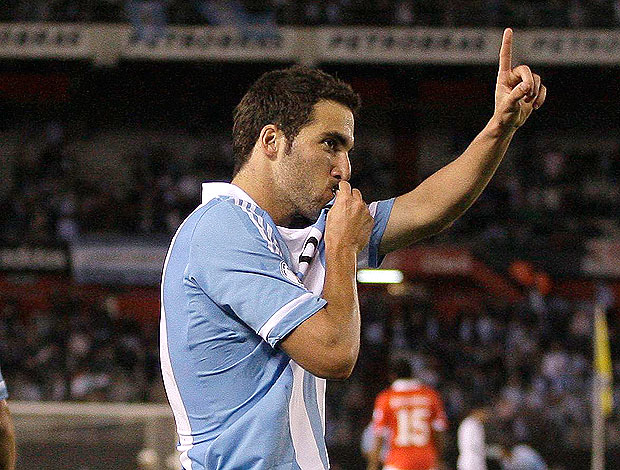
<point>412,414</point>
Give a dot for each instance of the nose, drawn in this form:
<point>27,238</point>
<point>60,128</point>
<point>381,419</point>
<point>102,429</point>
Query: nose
<point>341,169</point>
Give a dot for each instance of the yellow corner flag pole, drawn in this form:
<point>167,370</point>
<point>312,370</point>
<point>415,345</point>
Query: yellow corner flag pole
<point>602,400</point>
<point>602,360</point>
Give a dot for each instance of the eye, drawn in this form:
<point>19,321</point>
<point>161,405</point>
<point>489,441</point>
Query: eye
<point>331,144</point>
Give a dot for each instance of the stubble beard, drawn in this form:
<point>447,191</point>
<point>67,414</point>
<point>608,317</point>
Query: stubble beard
<point>296,185</point>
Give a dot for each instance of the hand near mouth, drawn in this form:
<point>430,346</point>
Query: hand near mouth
<point>349,222</point>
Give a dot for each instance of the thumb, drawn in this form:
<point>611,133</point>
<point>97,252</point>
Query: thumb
<point>343,187</point>
<point>344,191</point>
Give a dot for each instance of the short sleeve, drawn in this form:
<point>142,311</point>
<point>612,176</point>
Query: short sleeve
<point>439,421</point>
<point>380,211</point>
<point>380,414</point>
<point>236,261</point>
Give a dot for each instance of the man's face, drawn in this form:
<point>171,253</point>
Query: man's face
<point>318,159</point>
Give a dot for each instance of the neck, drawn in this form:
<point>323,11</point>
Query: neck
<point>264,192</point>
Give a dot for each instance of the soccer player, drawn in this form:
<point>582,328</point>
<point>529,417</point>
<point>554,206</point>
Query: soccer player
<point>8,454</point>
<point>259,309</point>
<point>412,414</point>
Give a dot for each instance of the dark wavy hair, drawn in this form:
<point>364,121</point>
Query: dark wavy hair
<point>285,98</point>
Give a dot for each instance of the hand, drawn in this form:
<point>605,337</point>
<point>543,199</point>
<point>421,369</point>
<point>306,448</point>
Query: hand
<point>349,223</point>
<point>518,91</point>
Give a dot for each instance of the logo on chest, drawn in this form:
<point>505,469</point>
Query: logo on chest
<point>289,274</point>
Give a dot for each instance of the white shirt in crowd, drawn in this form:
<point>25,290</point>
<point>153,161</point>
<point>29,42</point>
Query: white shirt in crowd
<point>471,443</point>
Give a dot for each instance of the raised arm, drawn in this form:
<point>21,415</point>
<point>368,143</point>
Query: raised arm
<point>440,199</point>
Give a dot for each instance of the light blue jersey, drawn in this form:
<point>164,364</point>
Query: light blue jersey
<point>4,394</point>
<point>234,285</point>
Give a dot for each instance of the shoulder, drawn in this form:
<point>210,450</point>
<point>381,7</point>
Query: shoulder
<point>223,211</point>
<point>472,426</point>
<point>467,423</point>
<point>228,230</point>
<point>431,392</point>
<point>233,218</point>
<point>383,396</point>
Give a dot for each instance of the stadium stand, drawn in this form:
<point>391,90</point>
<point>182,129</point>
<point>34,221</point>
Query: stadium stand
<point>548,13</point>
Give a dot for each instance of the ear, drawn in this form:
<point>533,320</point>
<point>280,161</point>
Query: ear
<point>270,139</point>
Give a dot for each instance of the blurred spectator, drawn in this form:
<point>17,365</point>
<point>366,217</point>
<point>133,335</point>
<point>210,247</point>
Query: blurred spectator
<point>149,16</point>
<point>522,457</point>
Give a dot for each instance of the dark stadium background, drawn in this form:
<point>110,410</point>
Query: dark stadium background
<point>532,252</point>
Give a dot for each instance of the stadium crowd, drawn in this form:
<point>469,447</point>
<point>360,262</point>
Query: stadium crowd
<point>69,349</point>
<point>556,199</point>
<point>523,13</point>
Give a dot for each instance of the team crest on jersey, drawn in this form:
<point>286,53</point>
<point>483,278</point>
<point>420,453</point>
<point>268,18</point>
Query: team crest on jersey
<point>289,274</point>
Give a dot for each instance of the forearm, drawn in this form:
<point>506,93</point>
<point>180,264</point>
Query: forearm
<point>373,464</point>
<point>327,343</point>
<point>8,452</point>
<point>445,195</point>
<point>340,291</point>
<point>455,187</point>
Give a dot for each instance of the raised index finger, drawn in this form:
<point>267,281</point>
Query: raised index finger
<point>505,53</point>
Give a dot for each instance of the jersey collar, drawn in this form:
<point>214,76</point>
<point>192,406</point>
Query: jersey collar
<point>213,190</point>
<point>401,385</point>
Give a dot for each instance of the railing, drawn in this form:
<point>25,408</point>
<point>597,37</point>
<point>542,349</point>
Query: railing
<point>119,436</point>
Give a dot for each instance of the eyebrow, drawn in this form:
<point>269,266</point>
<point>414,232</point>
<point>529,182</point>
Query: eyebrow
<point>342,139</point>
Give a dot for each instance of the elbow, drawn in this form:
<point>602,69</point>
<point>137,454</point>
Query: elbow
<point>336,374</point>
<point>326,352</point>
<point>340,366</point>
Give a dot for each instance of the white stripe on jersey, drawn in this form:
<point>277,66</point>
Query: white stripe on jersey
<point>174,396</point>
<point>280,314</point>
<point>172,390</point>
<point>270,235</point>
<point>306,450</point>
<point>320,399</point>
<point>258,221</point>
